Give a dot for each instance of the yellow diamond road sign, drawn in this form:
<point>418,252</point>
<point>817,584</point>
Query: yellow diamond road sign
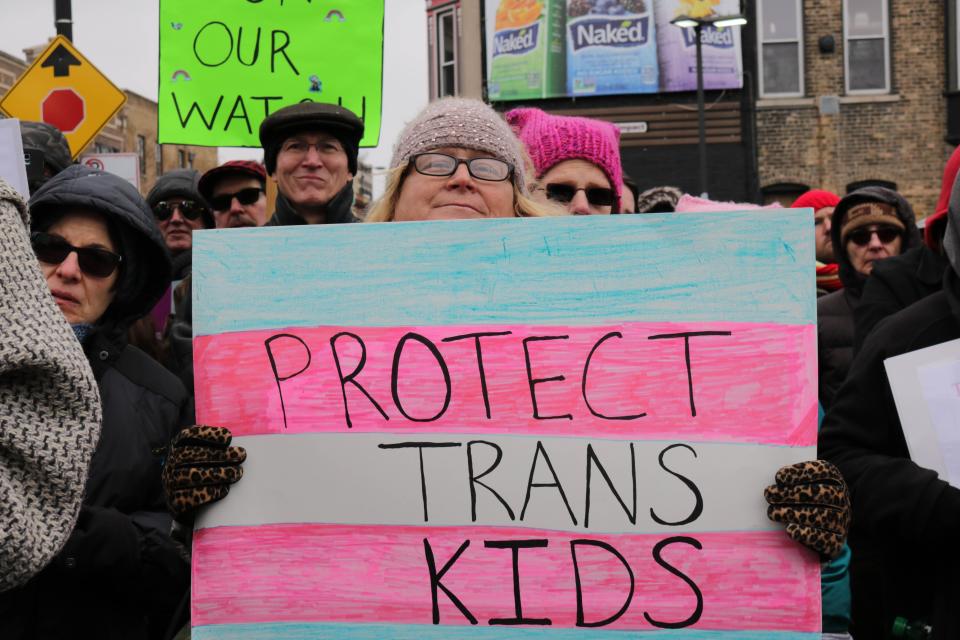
<point>62,88</point>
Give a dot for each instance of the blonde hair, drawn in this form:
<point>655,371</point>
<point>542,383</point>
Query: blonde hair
<point>383,209</point>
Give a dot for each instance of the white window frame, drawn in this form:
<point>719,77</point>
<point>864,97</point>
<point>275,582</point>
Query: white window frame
<point>799,40</point>
<point>438,63</point>
<point>885,5</point>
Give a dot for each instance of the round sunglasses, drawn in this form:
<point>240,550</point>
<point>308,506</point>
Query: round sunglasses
<point>51,249</point>
<point>861,237</point>
<point>189,209</point>
<point>245,196</point>
<point>597,196</point>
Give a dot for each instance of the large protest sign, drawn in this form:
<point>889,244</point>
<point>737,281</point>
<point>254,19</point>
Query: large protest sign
<point>551,48</point>
<point>227,64</point>
<point>563,425</point>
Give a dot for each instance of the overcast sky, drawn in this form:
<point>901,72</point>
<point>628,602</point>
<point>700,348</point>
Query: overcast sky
<point>120,38</point>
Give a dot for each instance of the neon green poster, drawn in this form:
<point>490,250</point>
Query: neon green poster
<point>227,64</point>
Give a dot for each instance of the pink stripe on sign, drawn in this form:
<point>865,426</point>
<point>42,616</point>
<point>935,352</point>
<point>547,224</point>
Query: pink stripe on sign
<point>745,382</point>
<point>376,574</point>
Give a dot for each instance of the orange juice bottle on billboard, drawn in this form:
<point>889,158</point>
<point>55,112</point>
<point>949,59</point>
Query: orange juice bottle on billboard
<point>526,56</point>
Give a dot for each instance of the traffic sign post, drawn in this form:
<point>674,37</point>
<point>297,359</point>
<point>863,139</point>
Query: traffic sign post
<point>63,89</point>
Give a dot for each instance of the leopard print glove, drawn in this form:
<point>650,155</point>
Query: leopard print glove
<point>200,468</point>
<point>811,498</point>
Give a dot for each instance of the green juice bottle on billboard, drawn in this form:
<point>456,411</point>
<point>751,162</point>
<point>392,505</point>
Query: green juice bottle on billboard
<point>527,53</point>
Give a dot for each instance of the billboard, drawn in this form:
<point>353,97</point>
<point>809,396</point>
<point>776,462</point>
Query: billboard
<point>561,48</point>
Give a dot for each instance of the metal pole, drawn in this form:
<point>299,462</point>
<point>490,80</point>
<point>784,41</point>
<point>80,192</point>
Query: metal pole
<point>63,18</point>
<point>701,112</point>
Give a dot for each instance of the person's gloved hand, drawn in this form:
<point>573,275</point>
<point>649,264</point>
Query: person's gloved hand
<point>200,469</point>
<point>811,498</point>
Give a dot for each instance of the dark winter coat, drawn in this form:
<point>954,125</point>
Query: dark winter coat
<point>339,210</point>
<point>120,575</point>
<point>906,521</point>
<point>895,284</point>
<point>835,319</point>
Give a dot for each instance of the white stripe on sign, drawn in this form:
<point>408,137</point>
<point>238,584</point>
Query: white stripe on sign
<point>418,479</point>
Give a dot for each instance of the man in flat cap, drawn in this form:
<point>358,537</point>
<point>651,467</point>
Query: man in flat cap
<point>310,149</point>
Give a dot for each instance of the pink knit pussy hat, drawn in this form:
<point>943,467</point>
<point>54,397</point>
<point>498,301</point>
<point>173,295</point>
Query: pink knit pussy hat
<point>552,139</point>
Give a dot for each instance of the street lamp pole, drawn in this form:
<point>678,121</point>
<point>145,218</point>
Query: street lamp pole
<point>63,18</point>
<point>697,24</point>
<point>701,111</point>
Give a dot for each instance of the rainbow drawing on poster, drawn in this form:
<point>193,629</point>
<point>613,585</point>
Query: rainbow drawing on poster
<point>539,428</point>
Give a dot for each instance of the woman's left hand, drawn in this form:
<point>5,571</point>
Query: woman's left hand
<point>200,469</point>
<point>812,499</point>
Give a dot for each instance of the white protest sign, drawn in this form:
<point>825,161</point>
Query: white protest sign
<point>12,167</point>
<point>926,388</point>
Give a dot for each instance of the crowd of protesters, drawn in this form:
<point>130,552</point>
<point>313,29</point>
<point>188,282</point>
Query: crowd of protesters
<point>95,488</point>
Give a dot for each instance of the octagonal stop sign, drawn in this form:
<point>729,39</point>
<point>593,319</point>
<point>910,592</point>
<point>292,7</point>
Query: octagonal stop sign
<point>64,109</point>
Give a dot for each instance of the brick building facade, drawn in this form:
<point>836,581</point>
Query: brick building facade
<point>132,130</point>
<point>835,136</point>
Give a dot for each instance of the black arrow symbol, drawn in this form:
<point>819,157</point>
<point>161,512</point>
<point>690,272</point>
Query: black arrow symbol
<point>61,60</point>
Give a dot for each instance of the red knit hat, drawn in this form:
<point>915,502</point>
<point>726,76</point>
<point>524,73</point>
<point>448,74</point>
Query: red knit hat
<point>552,139</point>
<point>816,199</point>
<point>248,168</point>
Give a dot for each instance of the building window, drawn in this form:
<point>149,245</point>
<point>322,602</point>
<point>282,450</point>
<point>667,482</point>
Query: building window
<point>181,159</point>
<point>780,33</point>
<point>142,154</point>
<point>445,46</point>
<point>158,159</point>
<point>866,50</point>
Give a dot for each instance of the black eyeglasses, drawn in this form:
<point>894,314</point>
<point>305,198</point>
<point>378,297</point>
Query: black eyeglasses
<point>95,262</point>
<point>861,237</point>
<point>597,196</point>
<point>189,209</point>
<point>441,164</point>
<point>244,196</point>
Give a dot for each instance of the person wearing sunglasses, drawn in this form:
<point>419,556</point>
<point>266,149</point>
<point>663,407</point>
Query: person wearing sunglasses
<point>868,225</point>
<point>577,160</point>
<point>119,574</point>
<point>179,209</point>
<point>236,192</point>
<point>457,159</point>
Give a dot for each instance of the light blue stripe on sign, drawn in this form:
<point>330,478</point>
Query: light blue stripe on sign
<point>734,266</point>
<point>336,631</point>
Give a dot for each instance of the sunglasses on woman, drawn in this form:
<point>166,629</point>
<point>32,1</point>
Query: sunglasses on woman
<point>189,209</point>
<point>95,262</point>
<point>245,196</point>
<point>442,165</point>
<point>861,237</point>
<point>597,196</point>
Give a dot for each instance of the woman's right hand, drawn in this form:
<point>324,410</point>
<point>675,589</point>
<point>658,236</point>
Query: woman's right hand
<point>199,469</point>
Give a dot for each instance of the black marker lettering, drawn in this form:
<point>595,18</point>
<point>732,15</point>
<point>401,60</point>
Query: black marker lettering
<point>586,368</point>
<point>695,616</point>
<point>475,479</point>
<point>420,446</point>
<point>698,507</point>
<point>581,617</point>
<point>351,377</point>
<point>686,354</point>
<point>185,121</point>
<point>281,50</point>
<point>243,116</point>
<point>556,482</point>
<point>593,460</point>
<point>273,365</point>
<point>436,577</point>
<point>515,546</point>
<point>196,42</point>
<point>535,381</point>
<point>395,375</point>
<point>476,341</point>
